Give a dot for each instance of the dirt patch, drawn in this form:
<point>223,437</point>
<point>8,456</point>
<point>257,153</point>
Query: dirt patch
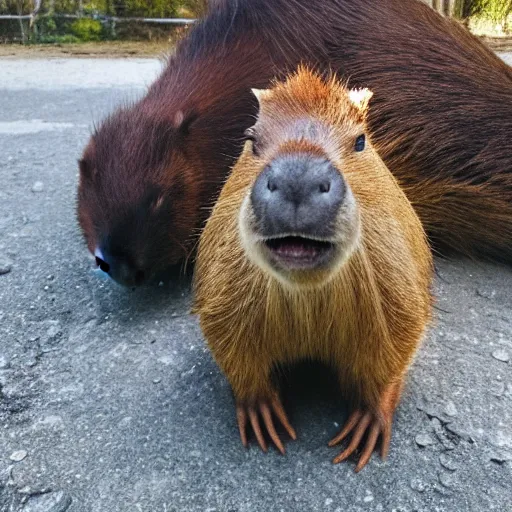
<point>116,49</point>
<point>141,49</point>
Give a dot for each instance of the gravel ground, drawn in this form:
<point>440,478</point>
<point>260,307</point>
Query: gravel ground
<point>109,400</point>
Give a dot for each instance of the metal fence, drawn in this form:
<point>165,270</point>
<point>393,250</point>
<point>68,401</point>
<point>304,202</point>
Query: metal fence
<point>27,22</point>
<point>443,6</point>
<point>23,26</point>
<point>446,7</point>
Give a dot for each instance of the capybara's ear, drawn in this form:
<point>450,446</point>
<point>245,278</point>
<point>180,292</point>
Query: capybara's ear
<point>261,94</point>
<point>183,121</point>
<point>360,98</point>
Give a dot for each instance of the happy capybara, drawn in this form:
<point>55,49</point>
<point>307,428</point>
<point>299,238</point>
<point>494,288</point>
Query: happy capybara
<point>441,119</point>
<point>313,252</point>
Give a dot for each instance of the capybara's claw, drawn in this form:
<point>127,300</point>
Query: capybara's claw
<point>358,424</point>
<point>263,409</point>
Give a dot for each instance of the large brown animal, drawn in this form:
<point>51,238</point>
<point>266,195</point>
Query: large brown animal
<point>314,252</point>
<point>441,118</point>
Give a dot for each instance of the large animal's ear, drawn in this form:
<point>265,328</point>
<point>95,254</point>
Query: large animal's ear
<point>360,98</point>
<point>183,121</point>
<point>261,94</point>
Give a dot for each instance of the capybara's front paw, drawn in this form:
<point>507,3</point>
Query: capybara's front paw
<point>252,411</point>
<point>358,424</point>
<point>376,423</point>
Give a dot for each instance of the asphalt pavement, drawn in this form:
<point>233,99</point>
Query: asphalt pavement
<point>110,401</point>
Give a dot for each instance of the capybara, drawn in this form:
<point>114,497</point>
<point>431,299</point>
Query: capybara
<point>441,119</point>
<point>313,252</point>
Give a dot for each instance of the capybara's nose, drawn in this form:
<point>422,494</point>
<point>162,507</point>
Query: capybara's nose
<point>298,194</point>
<point>118,269</point>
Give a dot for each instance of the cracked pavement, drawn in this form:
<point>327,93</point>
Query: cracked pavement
<point>110,401</point>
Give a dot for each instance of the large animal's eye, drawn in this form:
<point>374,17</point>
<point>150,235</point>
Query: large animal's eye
<point>360,143</point>
<point>250,135</point>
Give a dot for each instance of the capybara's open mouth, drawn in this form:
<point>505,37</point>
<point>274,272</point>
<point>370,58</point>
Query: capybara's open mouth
<point>299,252</point>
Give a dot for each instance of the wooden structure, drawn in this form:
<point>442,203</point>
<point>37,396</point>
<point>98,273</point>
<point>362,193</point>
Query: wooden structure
<point>446,7</point>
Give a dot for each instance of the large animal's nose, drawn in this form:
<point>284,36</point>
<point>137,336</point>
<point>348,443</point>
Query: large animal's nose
<point>298,194</point>
<point>118,269</point>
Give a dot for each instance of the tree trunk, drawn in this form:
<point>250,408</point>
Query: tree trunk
<point>19,4</point>
<point>449,7</point>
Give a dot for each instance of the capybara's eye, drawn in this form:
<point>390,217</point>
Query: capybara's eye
<point>249,135</point>
<point>360,143</point>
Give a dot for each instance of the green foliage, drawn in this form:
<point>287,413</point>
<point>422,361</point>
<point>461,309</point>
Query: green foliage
<point>195,8</point>
<point>495,10</point>
<point>57,39</point>
<point>498,10</point>
<point>48,28</point>
<point>49,25</point>
<point>146,8</point>
<point>15,6</point>
<point>46,25</point>
<point>86,29</point>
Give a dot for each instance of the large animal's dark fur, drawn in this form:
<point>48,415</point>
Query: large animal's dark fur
<point>441,119</point>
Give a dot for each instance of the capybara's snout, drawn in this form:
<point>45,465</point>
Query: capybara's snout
<point>118,268</point>
<point>298,194</point>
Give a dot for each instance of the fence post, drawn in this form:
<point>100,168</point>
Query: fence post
<point>19,5</point>
<point>449,7</point>
<point>32,25</point>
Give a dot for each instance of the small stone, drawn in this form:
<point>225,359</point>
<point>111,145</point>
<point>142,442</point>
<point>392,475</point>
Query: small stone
<point>53,331</point>
<point>31,362</point>
<point>27,232</point>
<point>501,355</point>
<point>450,409</point>
<point>448,445</point>
<point>18,456</point>
<point>497,388</point>
<point>38,186</point>
<point>501,457</point>
<point>460,431</point>
<point>447,479</point>
<point>368,499</point>
<point>5,266</point>
<point>424,440</point>
<point>328,502</point>
<point>157,381</point>
<point>50,502</point>
<point>486,294</point>
<point>53,336</point>
<point>418,485</point>
<point>447,462</point>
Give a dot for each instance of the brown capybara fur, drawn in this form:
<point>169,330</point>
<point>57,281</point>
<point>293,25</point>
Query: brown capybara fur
<point>441,119</point>
<point>363,312</point>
